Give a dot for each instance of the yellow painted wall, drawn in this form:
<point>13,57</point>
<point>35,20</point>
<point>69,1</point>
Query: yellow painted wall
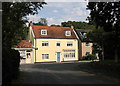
<point>52,49</point>
<point>86,48</point>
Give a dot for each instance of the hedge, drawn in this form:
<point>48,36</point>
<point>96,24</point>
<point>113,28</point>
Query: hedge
<point>10,65</point>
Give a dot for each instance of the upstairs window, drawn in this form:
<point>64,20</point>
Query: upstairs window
<point>43,32</point>
<point>69,43</point>
<point>45,43</point>
<point>57,43</point>
<point>68,33</point>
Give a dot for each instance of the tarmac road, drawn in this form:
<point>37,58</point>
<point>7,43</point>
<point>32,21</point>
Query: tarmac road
<point>59,73</point>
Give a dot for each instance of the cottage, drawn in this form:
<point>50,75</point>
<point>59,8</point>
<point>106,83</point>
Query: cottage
<point>25,49</point>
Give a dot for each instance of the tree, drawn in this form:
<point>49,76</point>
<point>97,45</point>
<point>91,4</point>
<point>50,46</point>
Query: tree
<point>78,25</point>
<point>14,30</point>
<point>42,22</point>
<point>107,16</point>
<point>13,22</point>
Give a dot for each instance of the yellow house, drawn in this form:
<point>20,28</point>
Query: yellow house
<point>53,44</point>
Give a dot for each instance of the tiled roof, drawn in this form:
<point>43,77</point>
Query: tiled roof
<point>53,32</point>
<point>82,37</point>
<point>24,44</point>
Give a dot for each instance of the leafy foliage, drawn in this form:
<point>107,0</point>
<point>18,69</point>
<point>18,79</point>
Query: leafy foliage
<point>13,23</point>
<point>14,29</point>
<point>78,25</point>
<point>89,57</point>
<point>42,22</point>
<point>107,16</point>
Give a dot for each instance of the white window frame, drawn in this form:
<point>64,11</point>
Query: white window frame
<point>68,33</point>
<point>70,54</point>
<point>45,42</point>
<point>59,43</point>
<point>45,56</point>
<point>70,43</point>
<point>43,33</point>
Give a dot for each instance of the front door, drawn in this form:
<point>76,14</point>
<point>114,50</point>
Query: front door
<point>58,56</point>
<point>28,58</point>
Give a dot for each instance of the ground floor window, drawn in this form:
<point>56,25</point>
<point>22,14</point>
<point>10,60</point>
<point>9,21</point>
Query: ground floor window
<point>22,54</point>
<point>87,53</point>
<point>69,53</point>
<point>45,56</point>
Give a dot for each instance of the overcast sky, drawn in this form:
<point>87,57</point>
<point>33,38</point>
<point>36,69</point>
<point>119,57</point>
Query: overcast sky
<point>57,12</point>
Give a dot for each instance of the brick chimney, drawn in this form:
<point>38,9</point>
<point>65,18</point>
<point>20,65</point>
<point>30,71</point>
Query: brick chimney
<point>31,24</point>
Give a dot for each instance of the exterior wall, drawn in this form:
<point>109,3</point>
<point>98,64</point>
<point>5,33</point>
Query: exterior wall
<point>52,49</point>
<point>24,56</point>
<point>86,48</point>
<point>79,49</point>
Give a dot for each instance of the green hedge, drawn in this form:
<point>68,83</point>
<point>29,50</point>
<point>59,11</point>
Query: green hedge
<point>89,57</point>
<point>10,65</point>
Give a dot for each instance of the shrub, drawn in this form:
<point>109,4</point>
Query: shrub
<point>10,65</point>
<point>89,57</point>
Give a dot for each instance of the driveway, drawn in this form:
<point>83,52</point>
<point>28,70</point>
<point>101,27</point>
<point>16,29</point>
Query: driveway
<point>59,73</point>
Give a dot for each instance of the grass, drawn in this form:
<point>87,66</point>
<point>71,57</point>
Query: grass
<point>107,67</point>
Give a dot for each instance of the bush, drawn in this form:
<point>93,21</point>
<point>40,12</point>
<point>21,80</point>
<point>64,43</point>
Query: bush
<point>10,65</point>
<point>89,57</point>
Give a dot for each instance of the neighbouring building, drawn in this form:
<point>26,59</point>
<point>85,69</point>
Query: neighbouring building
<point>85,44</point>
<point>53,44</point>
<point>25,49</point>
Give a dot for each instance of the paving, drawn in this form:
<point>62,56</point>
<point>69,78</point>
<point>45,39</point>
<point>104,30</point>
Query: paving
<point>59,73</point>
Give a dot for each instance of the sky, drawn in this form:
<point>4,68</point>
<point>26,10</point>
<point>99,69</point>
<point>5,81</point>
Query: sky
<point>57,12</point>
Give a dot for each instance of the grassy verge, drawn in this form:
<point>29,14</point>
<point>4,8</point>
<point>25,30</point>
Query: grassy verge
<point>106,68</point>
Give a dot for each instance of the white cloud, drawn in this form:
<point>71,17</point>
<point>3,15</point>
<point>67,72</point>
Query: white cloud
<point>33,18</point>
<point>55,11</point>
<point>67,12</point>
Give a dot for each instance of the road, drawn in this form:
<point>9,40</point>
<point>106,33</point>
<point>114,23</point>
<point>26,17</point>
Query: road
<point>59,73</point>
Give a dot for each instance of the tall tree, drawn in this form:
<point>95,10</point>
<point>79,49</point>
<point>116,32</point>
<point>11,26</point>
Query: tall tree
<point>78,25</point>
<point>107,16</point>
<point>13,23</point>
<point>42,22</point>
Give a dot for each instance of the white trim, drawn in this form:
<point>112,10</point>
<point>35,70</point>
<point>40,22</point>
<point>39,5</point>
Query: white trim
<point>75,33</point>
<point>45,32</point>
<point>44,56</point>
<point>68,31</point>
<point>22,48</point>
<point>32,32</point>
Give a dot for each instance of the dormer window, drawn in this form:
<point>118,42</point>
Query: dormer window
<point>68,33</point>
<point>43,32</point>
